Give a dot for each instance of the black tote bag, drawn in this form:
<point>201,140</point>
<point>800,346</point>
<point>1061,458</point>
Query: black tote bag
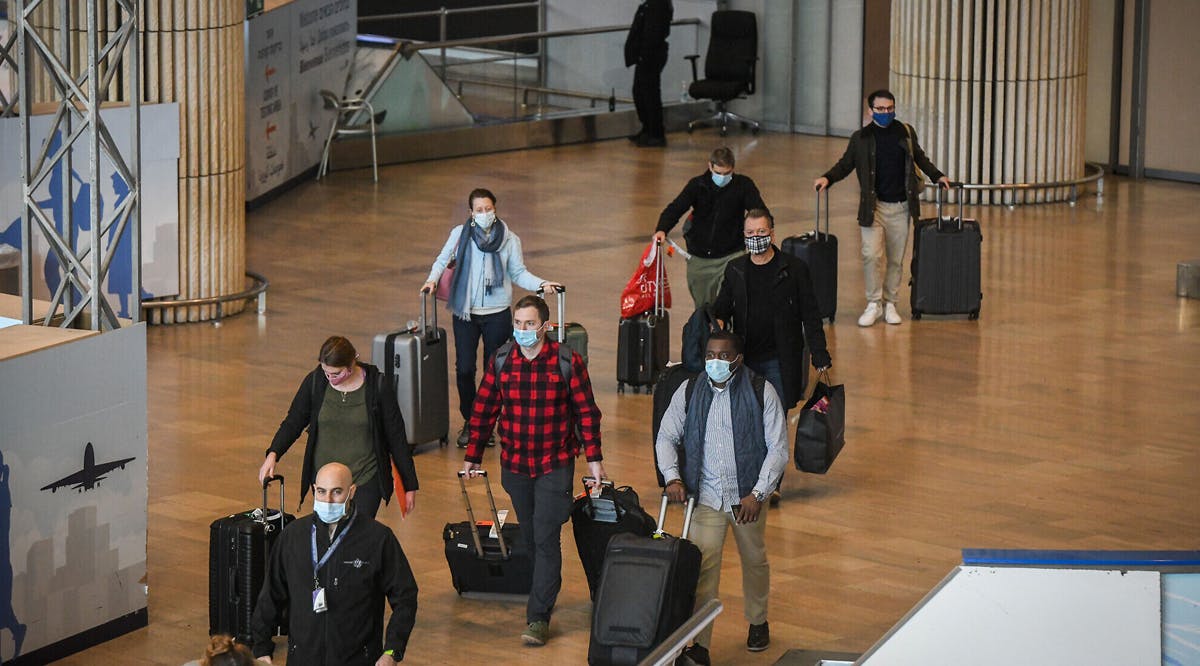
<point>820,435</point>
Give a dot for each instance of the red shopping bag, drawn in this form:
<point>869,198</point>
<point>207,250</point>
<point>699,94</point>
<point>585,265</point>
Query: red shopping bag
<point>638,296</point>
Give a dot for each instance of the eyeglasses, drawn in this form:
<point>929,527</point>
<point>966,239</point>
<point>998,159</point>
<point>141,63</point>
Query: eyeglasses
<point>884,109</point>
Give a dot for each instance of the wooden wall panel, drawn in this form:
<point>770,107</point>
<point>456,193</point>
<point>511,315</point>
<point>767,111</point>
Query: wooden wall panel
<point>995,89</point>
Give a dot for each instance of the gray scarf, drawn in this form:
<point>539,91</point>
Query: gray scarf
<point>488,242</point>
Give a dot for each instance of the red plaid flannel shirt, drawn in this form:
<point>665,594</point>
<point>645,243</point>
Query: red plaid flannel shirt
<point>536,411</point>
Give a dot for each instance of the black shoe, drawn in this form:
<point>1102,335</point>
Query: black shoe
<point>697,654</point>
<point>759,638</point>
<point>647,141</point>
<point>636,137</point>
<point>464,437</point>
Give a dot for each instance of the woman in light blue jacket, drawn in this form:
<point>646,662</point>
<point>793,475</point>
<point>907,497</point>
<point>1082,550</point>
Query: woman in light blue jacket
<point>488,261</point>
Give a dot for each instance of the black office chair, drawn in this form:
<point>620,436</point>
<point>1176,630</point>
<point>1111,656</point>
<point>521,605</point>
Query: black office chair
<point>729,67</point>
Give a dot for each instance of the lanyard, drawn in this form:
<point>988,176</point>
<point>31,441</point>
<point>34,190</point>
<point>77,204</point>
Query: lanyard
<point>317,564</point>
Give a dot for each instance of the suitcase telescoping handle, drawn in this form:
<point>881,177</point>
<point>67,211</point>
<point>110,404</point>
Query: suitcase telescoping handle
<point>817,223</point>
<point>462,481</point>
<point>421,329</point>
<point>937,197</point>
<point>660,276</point>
<point>687,515</point>
<point>562,310</point>
<point>604,483</point>
<point>266,483</point>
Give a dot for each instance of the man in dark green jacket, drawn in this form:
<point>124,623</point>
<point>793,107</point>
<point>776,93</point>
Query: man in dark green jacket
<point>886,156</point>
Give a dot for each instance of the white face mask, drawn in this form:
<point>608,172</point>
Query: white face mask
<point>484,220</point>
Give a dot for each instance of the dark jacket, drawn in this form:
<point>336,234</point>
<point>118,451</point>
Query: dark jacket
<point>714,229</point>
<point>860,157</point>
<point>796,320</point>
<point>383,414</point>
<point>647,39</point>
<point>367,567</point>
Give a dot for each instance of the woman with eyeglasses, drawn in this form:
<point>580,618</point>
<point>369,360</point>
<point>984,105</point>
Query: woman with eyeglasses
<point>352,417</point>
<point>487,262</point>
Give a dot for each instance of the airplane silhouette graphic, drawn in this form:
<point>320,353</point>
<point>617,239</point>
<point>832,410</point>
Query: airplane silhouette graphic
<point>90,476</point>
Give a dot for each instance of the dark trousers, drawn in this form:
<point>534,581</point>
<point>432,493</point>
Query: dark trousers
<point>647,95</point>
<point>368,496</point>
<point>495,329</point>
<point>543,505</point>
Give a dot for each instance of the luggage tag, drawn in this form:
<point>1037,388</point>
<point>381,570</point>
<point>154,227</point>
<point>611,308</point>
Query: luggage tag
<point>501,514</point>
<point>319,600</point>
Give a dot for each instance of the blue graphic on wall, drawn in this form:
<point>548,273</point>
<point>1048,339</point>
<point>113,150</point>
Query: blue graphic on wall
<point>8,617</point>
<point>120,271</point>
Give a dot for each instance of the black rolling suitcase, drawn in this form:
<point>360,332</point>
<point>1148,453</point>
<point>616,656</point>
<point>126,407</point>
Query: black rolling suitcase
<point>946,264</point>
<point>820,252</point>
<point>668,382</point>
<point>647,590</point>
<point>414,361</point>
<point>238,550</point>
<point>570,333</point>
<point>597,518</point>
<point>644,342</point>
<point>481,563</point>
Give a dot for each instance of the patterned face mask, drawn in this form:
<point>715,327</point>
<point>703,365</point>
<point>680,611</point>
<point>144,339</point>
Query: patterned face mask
<point>757,244</point>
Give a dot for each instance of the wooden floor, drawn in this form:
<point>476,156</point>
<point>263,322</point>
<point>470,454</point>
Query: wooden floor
<point>1066,417</point>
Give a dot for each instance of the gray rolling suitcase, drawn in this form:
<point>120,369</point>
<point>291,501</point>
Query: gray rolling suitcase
<point>570,333</point>
<point>946,264</point>
<point>414,361</point>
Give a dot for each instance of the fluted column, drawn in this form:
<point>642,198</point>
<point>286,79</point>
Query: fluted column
<point>996,89</point>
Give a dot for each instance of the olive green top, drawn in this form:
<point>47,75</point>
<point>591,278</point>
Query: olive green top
<point>344,435</point>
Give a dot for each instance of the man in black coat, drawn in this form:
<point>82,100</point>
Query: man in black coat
<point>889,161</point>
<point>768,299</point>
<point>718,200</point>
<point>646,52</point>
<point>332,570</point>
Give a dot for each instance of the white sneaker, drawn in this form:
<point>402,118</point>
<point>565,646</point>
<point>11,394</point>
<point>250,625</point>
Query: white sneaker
<point>890,315</point>
<point>870,315</point>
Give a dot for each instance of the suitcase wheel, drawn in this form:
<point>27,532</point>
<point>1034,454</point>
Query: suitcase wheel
<point>636,389</point>
<point>620,387</point>
<point>444,440</point>
<point>916,314</point>
<point>973,315</point>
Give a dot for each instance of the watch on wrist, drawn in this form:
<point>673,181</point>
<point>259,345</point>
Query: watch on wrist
<point>758,495</point>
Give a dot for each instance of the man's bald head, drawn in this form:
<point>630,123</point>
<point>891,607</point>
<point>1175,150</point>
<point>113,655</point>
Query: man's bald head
<point>334,483</point>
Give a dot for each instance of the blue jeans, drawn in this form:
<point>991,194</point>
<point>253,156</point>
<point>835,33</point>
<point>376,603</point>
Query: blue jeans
<point>771,371</point>
<point>543,504</point>
<point>495,329</point>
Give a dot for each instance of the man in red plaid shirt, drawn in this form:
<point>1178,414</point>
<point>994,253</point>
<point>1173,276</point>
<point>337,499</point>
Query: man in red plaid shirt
<point>543,414</point>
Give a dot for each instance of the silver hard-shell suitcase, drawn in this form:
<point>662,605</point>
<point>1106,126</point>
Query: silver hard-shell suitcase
<point>414,361</point>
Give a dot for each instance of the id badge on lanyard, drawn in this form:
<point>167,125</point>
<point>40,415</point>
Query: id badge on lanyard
<point>319,603</point>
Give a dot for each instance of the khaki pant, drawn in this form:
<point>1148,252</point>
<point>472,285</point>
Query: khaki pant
<point>890,228</point>
<point>704,277</point>
<point>708,533</point>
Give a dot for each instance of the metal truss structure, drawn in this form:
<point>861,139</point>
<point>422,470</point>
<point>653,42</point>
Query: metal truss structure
<point>76,86</point>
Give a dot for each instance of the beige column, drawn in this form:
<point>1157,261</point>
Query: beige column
<point>996,89</point>
<point>192,54</point>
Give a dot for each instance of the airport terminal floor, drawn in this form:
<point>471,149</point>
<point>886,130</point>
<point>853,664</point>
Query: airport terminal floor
<point>1065,417</point>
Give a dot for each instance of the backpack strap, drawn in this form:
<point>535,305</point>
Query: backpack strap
<point>565,368</point>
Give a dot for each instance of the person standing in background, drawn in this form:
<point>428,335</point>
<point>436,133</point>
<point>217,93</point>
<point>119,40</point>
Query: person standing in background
<point>646,51</point>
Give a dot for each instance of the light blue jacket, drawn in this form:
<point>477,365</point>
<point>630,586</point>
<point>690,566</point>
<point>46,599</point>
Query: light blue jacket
<point>510,258</point>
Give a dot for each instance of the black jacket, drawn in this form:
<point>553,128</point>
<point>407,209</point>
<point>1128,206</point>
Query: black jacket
<point>367,567</point>
<point>383,414</point>
<point>860,157</point>
<point>796,320</point>
<point>714,228</point>
<point>647,39</point>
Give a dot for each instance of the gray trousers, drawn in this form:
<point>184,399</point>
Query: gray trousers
<point>542,504</point>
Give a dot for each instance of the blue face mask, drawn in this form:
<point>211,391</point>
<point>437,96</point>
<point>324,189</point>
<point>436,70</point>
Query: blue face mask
<point>484,220</point>
<point>329,512</point>
<point>525,338</point>
<point>719,371</point>
<point>883,119</point>
<point>721,179</point>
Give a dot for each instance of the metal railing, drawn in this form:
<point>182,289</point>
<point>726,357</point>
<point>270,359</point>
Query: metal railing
<point>257,291</point>
<point>408,48</point>
<point>443,15</point>
<point>669,649</point>
<point>1093,173</point>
